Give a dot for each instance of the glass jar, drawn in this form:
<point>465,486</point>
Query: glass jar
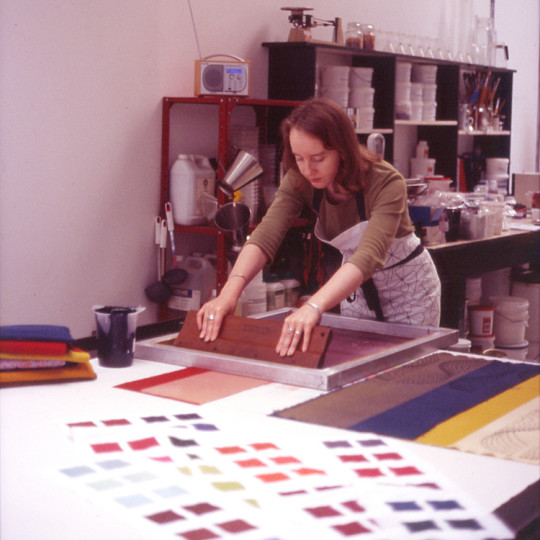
<point>354,35</point>
<point>368,34</point>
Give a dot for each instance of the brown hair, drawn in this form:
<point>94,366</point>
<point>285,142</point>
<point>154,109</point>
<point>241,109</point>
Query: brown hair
<point>328,122</point>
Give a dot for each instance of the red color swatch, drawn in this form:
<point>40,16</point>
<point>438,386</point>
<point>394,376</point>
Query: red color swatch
<point>103,448</point>
<point>143,444</point>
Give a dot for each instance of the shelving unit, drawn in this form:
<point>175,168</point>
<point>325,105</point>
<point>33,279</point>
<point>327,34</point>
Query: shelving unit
<point>293,73</point>
<point>209,120</point>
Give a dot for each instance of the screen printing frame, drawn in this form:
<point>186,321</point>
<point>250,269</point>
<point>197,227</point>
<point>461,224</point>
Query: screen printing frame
<point>422,340</point>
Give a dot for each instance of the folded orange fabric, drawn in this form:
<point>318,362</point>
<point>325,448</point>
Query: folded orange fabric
<point>43,348</point>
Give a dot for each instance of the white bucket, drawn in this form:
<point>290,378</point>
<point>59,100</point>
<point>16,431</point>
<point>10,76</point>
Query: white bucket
<point>403,72</point>
<point>403,110</point>
<point>403,91</point>
<point>417,90</point>
<point>429,92</point>
<point>531,291</point>
<point>335,76</point>
<point>360,77</point>
<point>416,111</point>
<point>481,320</point>
<point>365,117</point>
<point>429,111</point>
<point>191,178</point>
<point>517,352</point>
<point>361,97</point>
<point>424,73</point>
<point>422,167</point>
<point>510,320</point>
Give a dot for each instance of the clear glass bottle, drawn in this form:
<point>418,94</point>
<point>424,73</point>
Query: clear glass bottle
<point>368,35</point>
<point>354,35</point>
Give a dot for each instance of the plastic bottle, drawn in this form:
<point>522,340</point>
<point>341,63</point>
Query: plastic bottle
<point>275,292</point>
<point>422,150</point>
<point>197,288</point>
<point>292,289</point>
<point>191,176</point>
<point>253,297</point>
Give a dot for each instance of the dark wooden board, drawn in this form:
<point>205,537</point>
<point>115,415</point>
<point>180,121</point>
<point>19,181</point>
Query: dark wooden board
<point>255,339</point>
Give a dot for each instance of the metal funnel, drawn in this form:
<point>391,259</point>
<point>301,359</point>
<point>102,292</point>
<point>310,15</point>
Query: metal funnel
<point>234,218</point>
<point>244,170</point>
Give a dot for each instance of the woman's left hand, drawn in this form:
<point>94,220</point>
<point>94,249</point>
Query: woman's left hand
<point>297,326</point>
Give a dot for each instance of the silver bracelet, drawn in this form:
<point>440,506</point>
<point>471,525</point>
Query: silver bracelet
<point>239,275</point>
<point>316,308</point>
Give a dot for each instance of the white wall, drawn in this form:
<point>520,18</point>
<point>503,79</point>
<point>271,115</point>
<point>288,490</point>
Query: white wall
<point>80,91</point>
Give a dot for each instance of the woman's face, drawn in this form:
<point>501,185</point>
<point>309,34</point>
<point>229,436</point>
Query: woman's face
<point>318,164</point>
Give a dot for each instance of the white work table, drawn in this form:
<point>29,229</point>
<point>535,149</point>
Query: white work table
<point>35,443</point>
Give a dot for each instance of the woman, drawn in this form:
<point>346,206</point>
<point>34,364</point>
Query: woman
<point>361,202</point>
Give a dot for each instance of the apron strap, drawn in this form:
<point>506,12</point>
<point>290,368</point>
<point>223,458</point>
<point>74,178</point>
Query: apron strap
<point>370,291</point>
<point>373,301</point>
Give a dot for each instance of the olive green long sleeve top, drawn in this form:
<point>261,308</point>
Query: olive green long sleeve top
<point>386,211</point>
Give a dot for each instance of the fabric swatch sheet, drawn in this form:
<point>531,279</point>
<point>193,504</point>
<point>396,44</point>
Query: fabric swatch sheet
<point>198,476</point>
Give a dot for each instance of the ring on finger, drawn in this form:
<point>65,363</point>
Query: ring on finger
<point>298,332</point>
<point>289,331</point>
<point>210,317</point>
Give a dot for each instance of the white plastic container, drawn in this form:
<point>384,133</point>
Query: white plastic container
<point>416,111</point>
<point>481,320</point>
<point>335,76</point>
<point>429,111</point>
<point>403,91</point>
<point>191,176</point>
<point>365,117</point>
<point>531,291</point>
<point>516,352</point>
<point>422,150</point>
<point>422,167</point>
<point>403,110</point>
<point>197,288</point>
<point>292,290</point>
<point>429,92</point>
<point>253,298</point>
<point>424,73</point>
<point>360,77</point>
<point>417,89</point>
<point>275,292</point>
<point>361,97</point>
<point>510,320</point>
<point>403,72</point>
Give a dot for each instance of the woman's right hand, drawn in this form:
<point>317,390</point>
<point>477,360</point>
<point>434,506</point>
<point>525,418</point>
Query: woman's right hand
<point>210,316</point>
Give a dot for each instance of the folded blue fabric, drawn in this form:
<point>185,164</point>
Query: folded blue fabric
<point>36,332</point>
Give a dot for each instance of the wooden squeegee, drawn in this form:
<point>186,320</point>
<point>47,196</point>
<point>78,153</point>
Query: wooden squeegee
<point>255,339</point>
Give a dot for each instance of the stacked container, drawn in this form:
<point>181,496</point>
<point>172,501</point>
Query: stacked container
<point>350,88</point>
<point>361,96</point>
<point>426,75</point>
<point>335,84</point>
<point>403,91</point>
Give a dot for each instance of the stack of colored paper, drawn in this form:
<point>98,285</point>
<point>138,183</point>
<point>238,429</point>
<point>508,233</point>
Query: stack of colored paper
<point>34,353</point>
